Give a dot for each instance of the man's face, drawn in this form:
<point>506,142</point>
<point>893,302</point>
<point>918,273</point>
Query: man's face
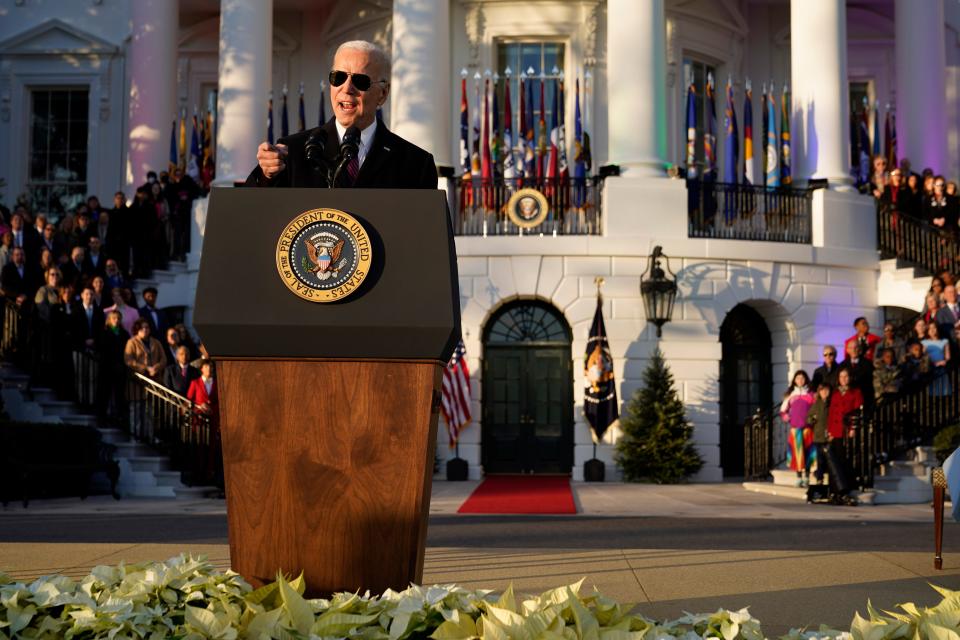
<point>916,349</point>
<point>16,223</point>
<point>87,297</point>
<point>183,356</point>
<point>17,256</point>
<point>895,178</point>
<point>173,337</point>
<point>95,244</point>
<point>950,294</point>
<point>118,201</point>
<point>888,358</point>
<point>49,231</point>
<point>77,254</point>
<point>150,298</point>
<point>351,106</point>
<point>863,327</point>
<point>111,267</point>
<point>40,221</point>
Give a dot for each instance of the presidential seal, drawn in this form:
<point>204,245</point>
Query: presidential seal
<point>527,208</point>
<point>324,255</point>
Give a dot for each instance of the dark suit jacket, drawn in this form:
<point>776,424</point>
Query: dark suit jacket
<point>391,163</point>
<point>174,380</point>
<point>946,320</point>
<point>100,269</point>
<point>14,285</point>
<point>81,330</point>
<point>157,329</point>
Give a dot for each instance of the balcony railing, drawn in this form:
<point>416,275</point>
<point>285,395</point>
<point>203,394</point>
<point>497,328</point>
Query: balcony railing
<point>480,207</point>
<point>748,212</point>
<point>916,241</point>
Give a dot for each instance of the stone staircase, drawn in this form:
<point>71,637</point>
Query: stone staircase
<point>144,473</point>
<point>904,481</point>
<point>899,285</point>
<point>176,286</point>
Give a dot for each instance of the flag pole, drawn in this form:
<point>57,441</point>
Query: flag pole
<point>599,280</point>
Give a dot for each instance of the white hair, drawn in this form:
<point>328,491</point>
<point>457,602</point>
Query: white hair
<point>379,56</point>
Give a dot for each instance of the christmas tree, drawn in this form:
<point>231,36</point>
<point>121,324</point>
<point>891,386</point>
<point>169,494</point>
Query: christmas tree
<point>655,445</point>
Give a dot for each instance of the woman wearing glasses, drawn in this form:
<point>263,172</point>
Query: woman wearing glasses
<point>359,85</point>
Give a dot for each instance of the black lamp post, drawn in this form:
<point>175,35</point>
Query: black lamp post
<point>659,291</point>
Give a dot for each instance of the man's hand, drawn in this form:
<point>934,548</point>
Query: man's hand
<point>271,158</point>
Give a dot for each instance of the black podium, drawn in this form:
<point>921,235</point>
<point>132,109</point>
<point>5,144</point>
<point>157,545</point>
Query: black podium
<point>328,410</point>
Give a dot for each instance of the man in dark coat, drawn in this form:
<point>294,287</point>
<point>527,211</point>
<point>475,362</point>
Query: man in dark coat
<point>87,321</point>
<point>180,374</point>
<point>18,281</point>
<point>360,83</point>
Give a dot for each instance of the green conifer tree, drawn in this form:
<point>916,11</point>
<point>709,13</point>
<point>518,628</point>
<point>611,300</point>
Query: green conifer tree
<point>655,445</point>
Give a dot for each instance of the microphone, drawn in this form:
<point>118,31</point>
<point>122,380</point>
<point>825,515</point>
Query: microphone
<point>349,148</point>
<point>315,146</point>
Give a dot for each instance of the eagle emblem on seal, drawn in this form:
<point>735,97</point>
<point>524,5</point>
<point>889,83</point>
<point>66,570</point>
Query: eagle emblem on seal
<point>324,251</point>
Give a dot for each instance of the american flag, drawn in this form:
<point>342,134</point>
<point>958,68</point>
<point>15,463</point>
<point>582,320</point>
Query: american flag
<point>455,402</point>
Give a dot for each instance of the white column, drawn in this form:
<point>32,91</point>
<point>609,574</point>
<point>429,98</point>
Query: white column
<point>421,84</point>
<point>921,84</point>
<point>152,60</point>
<point>820,94</point>
<point>636,85</point>
<point>246,54</point>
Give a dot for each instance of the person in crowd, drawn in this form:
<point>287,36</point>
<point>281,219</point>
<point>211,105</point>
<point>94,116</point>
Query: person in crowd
<point>120,230</point>
<point>179,375</point>
<point>948,316</point>
<point>17,279</point>
<point>891,201</point>
<point>67,231</point>
<point>938,350</point>
<point>172,344</point>
<point>100,293</point>
<point>102,230</point>
<point>149,312</point>
<point>51,242</point>
<point>6,246</point>
<point>865,341</point>
<point>936,288</point>
<point>48,296</point>
<point>886,374</point>
<point>878,176</point>
<point>111,344</point>
<point>129,314</point>
<point>143,217</point>
<point>46,260</point>
<point>60,342</point>
<point>143,353</point>
<point>84,229</point>
<point>915,366</point>
<point>183,190</point>
<point>95,262</point>
<point>187,340</point>
<point>23,238</point>
<point>94,209</point>
<point>88,321</point>
<point>162,227</point>
<point>817,419</point>
<point>845,402</point>
<point>939,209</point>
<point>113,276</point>
<point>827,372</point>
<point>860,371</point>
<point>931,306</point>
<point>36,229</point>
<point>203,390</point>
<point>793,410</point>
<point>889,340</point>
<point>151,179</point>
<point>73,270</point>
<point>910,204</point>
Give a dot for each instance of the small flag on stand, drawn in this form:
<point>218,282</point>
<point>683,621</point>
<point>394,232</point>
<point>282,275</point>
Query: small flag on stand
<point>732,142</point>
<point>182,148</point>
<point>710,133</point>
<point>270,118</point>
<point>509,166</point>
<point>284,118</point>
<point>748,174</point>
<point>563,169</point>
<point>579,167</point>
<point>542,130</point>
<point>172,161</point>
<point>785,177</point>
<point>691,132</point>
<point>486,166</point>
<point>530,159</point>
<point>467,187</point>
<point>522,130</point>
<point>494,131</point>
<point>478,110</point>
<point>863,144</point>
<point>600,396</point>
<point>301,112</point>
<point>890,137</point>
<point>193,165</point>
<point>323,103</point>
<point>876,130</point>
<point>455,397</point>
<point>553,151</point>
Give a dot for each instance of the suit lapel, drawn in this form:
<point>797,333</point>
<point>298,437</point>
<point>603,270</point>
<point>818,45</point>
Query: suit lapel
<point>378,154</point>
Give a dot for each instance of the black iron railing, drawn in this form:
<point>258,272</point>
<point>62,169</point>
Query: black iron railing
<point>765,443</point>
<point>748,212</point>
<point>916,242</point>
<point>480,207</point>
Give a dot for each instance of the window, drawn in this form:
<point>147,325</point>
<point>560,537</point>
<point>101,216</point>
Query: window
<point>59,119</point>
<point>542,57</point>
<point>696,72</point>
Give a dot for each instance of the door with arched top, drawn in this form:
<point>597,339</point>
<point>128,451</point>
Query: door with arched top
<point>527,390</point>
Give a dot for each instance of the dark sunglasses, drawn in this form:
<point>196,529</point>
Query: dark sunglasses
<point>360,80</point>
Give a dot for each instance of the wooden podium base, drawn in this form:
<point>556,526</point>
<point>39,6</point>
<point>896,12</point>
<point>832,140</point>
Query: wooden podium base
<point>328,469</point>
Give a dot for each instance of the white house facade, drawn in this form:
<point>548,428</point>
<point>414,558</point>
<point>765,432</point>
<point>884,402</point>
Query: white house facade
<point>752,307</point>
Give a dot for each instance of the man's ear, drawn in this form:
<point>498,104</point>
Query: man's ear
<point>384,95</point>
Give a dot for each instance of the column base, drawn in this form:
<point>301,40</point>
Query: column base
<point>642,169</point>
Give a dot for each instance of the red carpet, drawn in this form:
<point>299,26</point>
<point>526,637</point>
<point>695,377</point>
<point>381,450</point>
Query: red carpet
<point>521,494</point>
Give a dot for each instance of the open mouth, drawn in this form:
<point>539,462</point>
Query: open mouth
<point>347,107</point>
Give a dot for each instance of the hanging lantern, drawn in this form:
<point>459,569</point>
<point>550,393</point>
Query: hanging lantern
<point>658,290</point>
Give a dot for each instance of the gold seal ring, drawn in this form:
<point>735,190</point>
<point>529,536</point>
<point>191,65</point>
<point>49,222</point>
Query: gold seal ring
<point>527,208</point>
<point>324,255</point>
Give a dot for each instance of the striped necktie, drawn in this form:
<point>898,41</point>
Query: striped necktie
<point>353,169</point>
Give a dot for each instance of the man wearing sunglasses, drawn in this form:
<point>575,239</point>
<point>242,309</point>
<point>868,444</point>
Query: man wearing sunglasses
<point>359,84</point>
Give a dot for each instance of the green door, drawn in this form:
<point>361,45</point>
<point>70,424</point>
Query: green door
<point>528,399</point>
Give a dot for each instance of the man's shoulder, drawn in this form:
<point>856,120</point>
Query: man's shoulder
<point>390,139</point>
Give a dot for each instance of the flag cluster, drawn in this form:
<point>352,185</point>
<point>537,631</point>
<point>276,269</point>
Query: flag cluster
<point>863,145</point>
<point>197,160</point>
<point>455,398</point>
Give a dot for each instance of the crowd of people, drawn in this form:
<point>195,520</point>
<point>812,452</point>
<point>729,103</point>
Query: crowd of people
<point>925,196</point>
<point>71,284</point>
<point>820,411</point>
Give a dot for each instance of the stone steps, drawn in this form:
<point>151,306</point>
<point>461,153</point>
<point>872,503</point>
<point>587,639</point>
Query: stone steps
<point>900,285</point>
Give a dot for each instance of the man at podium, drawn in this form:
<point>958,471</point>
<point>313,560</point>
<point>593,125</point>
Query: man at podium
<point>352,149</point>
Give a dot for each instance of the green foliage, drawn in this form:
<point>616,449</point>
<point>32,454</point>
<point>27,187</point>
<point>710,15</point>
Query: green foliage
<point>655,446</point>
<point>946,441</point>
<point>186,598</point>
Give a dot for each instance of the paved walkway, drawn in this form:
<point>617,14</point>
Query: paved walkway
<point>669,549</point>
